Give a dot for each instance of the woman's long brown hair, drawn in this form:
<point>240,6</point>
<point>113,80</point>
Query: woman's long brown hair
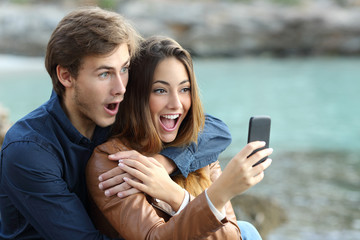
<point>134,122</point>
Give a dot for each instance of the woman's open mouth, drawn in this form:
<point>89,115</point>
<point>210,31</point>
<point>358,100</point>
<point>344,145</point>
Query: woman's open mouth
<point>170,121</point>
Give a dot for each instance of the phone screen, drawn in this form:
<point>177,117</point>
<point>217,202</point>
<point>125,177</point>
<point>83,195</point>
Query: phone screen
<point>259,130</point>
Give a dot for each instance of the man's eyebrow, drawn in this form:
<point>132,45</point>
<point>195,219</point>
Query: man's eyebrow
<point>102,67</point>
<point>127,62</point>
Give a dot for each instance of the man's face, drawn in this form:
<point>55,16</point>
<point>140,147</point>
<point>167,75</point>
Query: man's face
<point>98,90</point>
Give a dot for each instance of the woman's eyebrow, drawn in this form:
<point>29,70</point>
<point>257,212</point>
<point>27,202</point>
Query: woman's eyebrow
<point>161,81</point>
<point>185,81</point>
<point>166,83</point>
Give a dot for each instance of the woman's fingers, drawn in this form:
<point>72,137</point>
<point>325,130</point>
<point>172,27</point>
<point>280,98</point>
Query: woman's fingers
<point>136,184</point>
<point>118,188</point>
<point>248,149</point>
<point>133,155</point>
<point>129,192</point>
<point>135,169</point>
<point>259,155</point>
<point>110,174</point>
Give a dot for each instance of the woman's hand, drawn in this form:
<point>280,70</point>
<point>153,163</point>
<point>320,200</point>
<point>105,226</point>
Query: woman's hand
<point>112,181</point>
<point>239,174</point>
<point>153,178</point>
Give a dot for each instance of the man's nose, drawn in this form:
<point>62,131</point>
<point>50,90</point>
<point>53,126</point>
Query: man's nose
<point>119,85</point>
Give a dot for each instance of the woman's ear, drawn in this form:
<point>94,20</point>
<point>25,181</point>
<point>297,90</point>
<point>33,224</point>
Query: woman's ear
<point>64,76</point>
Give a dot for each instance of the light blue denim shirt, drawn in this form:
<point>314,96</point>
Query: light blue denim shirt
<point>213,140</point>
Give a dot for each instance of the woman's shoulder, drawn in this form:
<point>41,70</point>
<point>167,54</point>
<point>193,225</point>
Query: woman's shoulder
<point>113,145</point>
<point>99,159</point>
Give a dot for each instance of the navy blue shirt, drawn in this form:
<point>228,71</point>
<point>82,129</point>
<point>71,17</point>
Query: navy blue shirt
<point>43,192</point>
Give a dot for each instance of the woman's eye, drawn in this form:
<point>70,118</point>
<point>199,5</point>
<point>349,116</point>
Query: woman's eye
<point>187,89</point>
<point>159,91</point>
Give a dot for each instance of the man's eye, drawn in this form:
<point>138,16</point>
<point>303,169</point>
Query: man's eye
<point>104,75</point>
<point>124,69</point>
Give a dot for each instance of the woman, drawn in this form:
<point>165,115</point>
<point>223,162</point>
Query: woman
<point>161,109</point>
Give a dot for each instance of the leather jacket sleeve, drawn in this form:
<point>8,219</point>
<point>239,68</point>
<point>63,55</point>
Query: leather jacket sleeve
<point>136,217</point>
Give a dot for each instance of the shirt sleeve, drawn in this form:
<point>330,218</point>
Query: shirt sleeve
<point>32,178</point>
<point>213,140</point>
<point>219,215</point>
<point>184,203</point>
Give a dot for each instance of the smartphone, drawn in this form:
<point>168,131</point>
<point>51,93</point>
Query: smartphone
<point>259,130</point>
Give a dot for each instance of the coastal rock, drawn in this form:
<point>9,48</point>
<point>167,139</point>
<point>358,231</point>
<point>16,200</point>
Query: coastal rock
<point>265,214</point>
<point>4,123</point>
<point>207,28</point>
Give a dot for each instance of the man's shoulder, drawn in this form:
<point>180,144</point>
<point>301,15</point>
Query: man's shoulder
<point>33,127</point>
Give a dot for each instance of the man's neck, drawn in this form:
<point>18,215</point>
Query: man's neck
<point>85,126</point>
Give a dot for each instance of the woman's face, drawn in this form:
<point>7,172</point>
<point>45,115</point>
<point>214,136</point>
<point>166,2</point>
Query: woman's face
<point>170,98</point>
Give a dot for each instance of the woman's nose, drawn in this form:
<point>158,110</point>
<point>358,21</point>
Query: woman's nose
<point>174,101</point>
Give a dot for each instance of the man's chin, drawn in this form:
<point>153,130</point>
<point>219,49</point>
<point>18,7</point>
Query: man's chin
<point>106,123</point>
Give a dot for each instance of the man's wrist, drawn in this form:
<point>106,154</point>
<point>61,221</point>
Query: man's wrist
<point>167,163</point>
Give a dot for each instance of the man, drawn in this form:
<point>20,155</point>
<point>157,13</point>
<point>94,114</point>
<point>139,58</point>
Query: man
<point>42,181</point>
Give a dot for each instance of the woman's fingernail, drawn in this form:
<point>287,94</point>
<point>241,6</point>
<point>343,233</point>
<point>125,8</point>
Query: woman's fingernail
<point>100,178</point>
<point>101,186</point>
<point>121,164</point>
<point>125,179</point>
<point>107,193</point>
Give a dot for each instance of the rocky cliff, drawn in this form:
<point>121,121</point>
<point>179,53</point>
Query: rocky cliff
<point>207,28</point>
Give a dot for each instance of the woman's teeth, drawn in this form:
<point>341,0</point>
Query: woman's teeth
<point>169,121</point>
<point>170,116</point>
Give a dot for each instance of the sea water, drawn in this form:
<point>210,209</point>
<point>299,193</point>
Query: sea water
<point>315,133</point>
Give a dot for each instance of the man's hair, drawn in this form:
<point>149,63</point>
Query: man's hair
<point>86,32</point>
<point>134,123</point>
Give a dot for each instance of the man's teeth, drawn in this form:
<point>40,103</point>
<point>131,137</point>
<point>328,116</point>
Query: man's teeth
<point>170,116</point>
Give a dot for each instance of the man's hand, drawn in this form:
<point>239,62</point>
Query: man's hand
<point>167,163</point>
<point>112,181</point>
<point>154,179</point>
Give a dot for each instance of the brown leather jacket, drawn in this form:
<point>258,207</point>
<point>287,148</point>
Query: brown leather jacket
<point>141,217</point>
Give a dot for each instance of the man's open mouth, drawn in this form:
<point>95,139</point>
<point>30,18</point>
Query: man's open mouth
<point>112,108</point>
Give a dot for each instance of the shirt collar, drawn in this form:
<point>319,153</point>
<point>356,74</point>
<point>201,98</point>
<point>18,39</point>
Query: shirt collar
<point>56,111</point>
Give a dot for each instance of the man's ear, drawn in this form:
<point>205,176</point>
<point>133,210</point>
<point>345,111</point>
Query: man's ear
<point>64,76</point>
